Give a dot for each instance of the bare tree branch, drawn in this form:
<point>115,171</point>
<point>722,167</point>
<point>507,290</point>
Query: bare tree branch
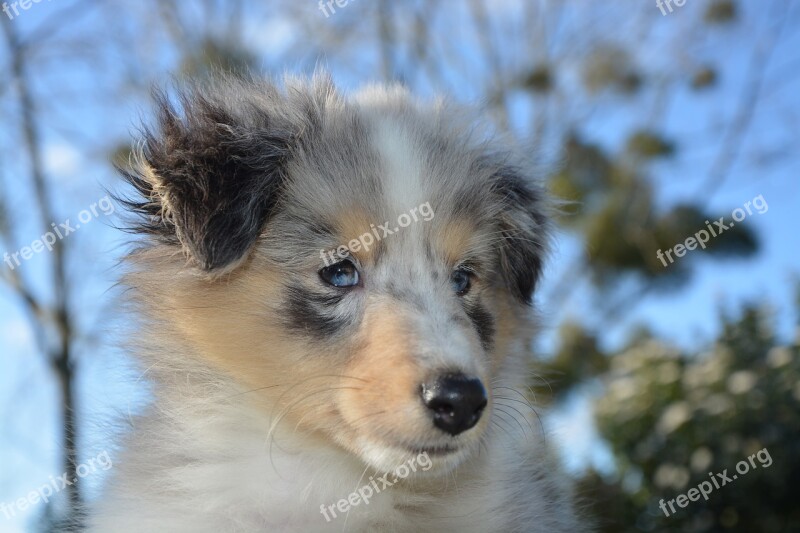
<point>750,98</point>
<point>59,354</point>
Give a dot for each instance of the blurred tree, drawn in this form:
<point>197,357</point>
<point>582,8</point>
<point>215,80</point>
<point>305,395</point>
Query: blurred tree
<point>50,315</point>
<point>672,418</point>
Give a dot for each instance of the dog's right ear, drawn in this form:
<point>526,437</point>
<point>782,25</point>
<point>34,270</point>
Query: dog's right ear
<point>210,172</point>
<point>523,228</point>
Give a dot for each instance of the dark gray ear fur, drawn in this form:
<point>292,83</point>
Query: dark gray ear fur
<point>210,172</point>
<point>524,230</point>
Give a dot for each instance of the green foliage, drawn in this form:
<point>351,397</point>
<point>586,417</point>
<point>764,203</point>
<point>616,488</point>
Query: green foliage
<point>584,178</point>
<point>685,220</point>
<point>610,205</point>
<point>649,144</point>
<point>611,67</point>
<point>721,12</point>
<point>704,78</point>
<point>620,236</point>
<point>578,357</point>
<point>540,79</point>
<point>217,55</point>
<point>672,418</point>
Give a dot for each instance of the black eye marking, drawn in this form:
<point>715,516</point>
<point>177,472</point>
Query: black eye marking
<point>314,313</point>
<point>483,321</point>
<point>343,274</point>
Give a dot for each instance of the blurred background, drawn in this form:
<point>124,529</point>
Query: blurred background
<point>649,121</point>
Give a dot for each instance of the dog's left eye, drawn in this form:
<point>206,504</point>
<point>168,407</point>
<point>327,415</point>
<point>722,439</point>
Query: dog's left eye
<point>342,274</point>
<point>461,280</point>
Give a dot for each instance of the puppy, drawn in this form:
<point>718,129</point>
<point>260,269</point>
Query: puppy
<point>334,296</point>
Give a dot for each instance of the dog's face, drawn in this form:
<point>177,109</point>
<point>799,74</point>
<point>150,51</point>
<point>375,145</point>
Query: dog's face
<point>360,268</point>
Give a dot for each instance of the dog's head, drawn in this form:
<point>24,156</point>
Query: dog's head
<point>361,267</point>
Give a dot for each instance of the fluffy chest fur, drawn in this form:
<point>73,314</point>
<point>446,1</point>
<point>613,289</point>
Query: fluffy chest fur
<point>208,465</point>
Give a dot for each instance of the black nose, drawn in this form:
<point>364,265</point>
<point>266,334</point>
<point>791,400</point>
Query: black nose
<point>456,402</point>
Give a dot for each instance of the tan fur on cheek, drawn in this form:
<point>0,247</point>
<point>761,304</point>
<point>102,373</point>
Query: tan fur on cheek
<point>233,325</point>
<point>387,408</point>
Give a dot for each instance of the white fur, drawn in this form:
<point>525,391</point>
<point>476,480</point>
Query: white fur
<point>202,463</point>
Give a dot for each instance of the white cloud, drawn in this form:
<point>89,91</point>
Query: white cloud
<point>16,333</point>
<point>61,160</point>
<point>272,38</point>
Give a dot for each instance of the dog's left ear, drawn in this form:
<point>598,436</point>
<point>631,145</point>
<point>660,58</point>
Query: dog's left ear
<point>209,174</point>
<point>523,227</point>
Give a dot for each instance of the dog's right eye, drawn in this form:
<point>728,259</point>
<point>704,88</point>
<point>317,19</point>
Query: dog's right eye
<point>342,274</point>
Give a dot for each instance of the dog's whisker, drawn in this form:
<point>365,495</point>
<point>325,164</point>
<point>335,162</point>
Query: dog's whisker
<point>495,422</point>
<point>516,419</point>
<point>341,376</point>
<point>300,421</point>
<point>544,380</point>
<point>524,400</point>
<point>354,422</point>
<point>251,391</point>
<point>482,443</point>
<point>528,403</point>
<point>535,375</point>
<point>292,405</point>
<point>518,411</point>
<point>504,419</point>
<point>311,378</point>
<point>525,403</point>
<point>286,411</point>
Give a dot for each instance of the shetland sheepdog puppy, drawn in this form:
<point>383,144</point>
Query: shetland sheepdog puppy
<point>334,298</point>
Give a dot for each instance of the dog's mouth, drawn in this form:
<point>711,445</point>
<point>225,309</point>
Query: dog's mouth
<point>388,455</point>
<point>435,451</point>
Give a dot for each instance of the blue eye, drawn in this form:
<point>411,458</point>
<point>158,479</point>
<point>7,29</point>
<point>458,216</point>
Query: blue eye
<point>342,274</point>
<point>461,281</point>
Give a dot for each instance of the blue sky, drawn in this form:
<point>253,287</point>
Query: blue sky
<point>82,125</point>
